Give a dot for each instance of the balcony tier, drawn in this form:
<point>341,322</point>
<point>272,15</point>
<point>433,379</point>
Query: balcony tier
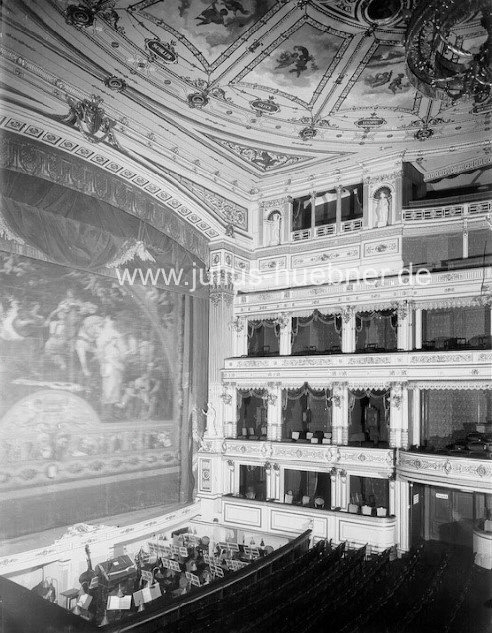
<point>353,458</point>
<point>444,470</point>
<point>276,518</point>
<point>446,370</point>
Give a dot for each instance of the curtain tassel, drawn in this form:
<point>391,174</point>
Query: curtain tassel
<point>129,250</point>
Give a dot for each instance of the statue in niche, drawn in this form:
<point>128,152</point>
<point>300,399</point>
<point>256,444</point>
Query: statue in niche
<point>274,221</point>
<point>382,198</point>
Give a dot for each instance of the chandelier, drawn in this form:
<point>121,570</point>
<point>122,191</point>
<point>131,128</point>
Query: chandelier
<point>442,60</point>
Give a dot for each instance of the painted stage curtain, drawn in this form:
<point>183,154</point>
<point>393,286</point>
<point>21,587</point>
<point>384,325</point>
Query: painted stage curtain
<point>102,384</point>
<point>77,230</point>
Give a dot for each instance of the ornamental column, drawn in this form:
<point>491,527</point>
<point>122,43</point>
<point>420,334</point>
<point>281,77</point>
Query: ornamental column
<point>343,490</point>
<point>338,219</point>
<point>404,327</point>
<point>239,326</point>
<point>333,489</point>
<point>221,346</point>
<point>274,413</point>
<point>398,415</point>
<point>272,481</point>
<point>230,478</point>
<point>348,330</point>
<point>403,500</point>
<point>229,410</point>
<point>417,319</point>
<point>340,423</point>
<point>415,421</point>
<point>285,341</point>
<point>392,495</point>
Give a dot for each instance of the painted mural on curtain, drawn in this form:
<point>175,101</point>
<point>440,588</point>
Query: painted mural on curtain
<point>89,374</point>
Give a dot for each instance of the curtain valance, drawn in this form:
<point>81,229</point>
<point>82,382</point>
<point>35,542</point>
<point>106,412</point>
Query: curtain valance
<point>79,231</point>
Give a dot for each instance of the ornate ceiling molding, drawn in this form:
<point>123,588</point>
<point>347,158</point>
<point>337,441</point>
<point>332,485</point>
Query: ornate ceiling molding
<point>261,159</point>
<point>117,165</point>
<point>82,170</point>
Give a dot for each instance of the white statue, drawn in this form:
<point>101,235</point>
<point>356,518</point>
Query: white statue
<point>274,222</point>
<point>382,209</point>
<point>210,415</point>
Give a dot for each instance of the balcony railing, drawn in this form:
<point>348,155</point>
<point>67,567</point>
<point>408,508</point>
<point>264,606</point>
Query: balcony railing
<point>431,213</point>
<point>445,367</point>
<point>349,226</point>
<point>464,472</point>
<point>447,211</point>
<point>275,517</point>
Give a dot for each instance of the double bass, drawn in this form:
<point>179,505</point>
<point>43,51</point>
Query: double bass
<point>86,578</point>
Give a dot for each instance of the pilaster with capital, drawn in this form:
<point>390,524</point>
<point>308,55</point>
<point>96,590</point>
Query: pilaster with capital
<point>285,339</point>
<point>417,320</point>
<point>230,478</point>
<point>414,421</point>
<point>339,209</point>
<point>272,481</point>
<point>343,490</point>
<point>392,495</point>
<point>398,436</point>
<point>403,504</point>
<point>221,339</point>
<point>333,488</point>
<point>229,409</point>
<point>274,412</point>
<point>239,325</point>
<point>404,329</point>
<point>348,329</point>
<point>340,422</point>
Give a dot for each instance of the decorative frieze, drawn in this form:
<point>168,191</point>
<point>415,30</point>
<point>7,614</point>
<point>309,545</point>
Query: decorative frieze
<point>446,470</point>
<point>345,457</point>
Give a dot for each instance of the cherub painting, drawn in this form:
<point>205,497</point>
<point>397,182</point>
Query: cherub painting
<point>299,58</point>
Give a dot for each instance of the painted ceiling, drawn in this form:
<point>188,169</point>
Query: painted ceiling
<point>247,93</point>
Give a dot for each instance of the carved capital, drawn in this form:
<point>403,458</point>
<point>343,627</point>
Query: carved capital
<point>238,324</point>
<point>347,313</point>
<point>226,396</point>
<point>402,309</point>
<point>283,320</point>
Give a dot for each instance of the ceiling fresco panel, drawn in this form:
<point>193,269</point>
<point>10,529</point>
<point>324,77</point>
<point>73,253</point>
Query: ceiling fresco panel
<point>208,28</point>
<point>383,82</point>
<point>297,62</point>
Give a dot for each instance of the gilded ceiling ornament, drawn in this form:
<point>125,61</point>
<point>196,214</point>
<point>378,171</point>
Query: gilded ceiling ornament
<point>87,11</point>
<point>91,120</point>
<point>115,83</point>
<point>164,51</point>
<point>307,133</point>
<point>265,106</point>
<point>197,100</point>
